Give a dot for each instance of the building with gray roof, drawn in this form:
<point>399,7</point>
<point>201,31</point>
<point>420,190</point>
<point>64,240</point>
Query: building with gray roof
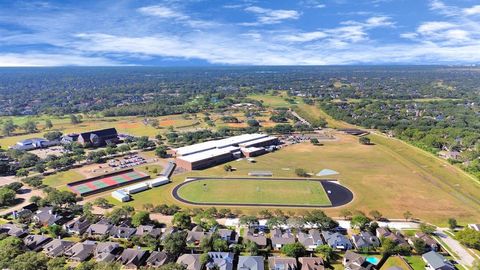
<point>435,261</point>
<point>250,263</point>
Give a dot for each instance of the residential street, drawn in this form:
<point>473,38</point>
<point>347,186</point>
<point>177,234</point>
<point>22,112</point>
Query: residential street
<point>465,258</point>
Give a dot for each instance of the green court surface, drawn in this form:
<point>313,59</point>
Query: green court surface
<point>281,192</point>
<point>106,182</point>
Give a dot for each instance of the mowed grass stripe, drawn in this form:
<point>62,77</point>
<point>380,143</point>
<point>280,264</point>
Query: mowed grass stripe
<point>282,192</point>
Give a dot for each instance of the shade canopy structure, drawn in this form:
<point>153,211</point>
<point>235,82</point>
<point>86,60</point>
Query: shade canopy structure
<point>327,172</point>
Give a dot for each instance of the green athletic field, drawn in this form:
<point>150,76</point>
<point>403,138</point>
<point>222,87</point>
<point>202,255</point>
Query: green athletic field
<point>282,192</point>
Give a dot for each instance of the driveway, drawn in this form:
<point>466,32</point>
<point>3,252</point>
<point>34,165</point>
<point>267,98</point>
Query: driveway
<point>464,257</point>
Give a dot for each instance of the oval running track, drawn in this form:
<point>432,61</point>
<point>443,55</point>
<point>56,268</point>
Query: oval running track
<point>337,194</point>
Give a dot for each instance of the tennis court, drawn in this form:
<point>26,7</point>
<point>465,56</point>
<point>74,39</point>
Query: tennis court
<point>109,181</point>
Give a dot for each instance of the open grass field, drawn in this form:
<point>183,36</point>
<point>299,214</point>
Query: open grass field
<point>129,125</point>
<point>272,101</point>
<point>283,192</point>
<point>391,177</point>
<point>62,178</point>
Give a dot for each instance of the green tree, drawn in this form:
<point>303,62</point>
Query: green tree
<point>227,167</point>
<point>301,172</point>
<point>74,119</point>
<point>53,135</point>
<point>102,203</point>
<point>346,214</point>
<point>123,148</point>
<point>388,247</point>
<point>419,246</point>
<point>10,248</point>
<point>22,172</point>
<point>294,250</point>
<point>376,215</point>
<point>58,263</point>
<point>452,223</point>
<point>407,215</point>
<point>359,221</point>
<point>469,238</point>
<point>175,243</point>
<point>252,248</point>
<point>320,219</point>
<point>161,151</point>
<point>326,251</point>
<point>140,218</point>
<point>427,229</point>
<point>55,230</point>
<point>220,245</point>
<point>7,196</point>
<point>30,261</point>
<point>364,140</point>
<point>48,124</point>
<point>182,220</point>
<point>172,266</point>
<point>8,127</point>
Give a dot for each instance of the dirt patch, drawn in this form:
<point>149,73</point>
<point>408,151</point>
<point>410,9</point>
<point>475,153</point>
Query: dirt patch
<point>167,122</point>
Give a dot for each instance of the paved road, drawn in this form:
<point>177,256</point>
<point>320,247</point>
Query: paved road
<point>464,257</point>
<point>303,120</point>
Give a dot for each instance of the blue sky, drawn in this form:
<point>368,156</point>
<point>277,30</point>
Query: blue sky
<point>243,32</point>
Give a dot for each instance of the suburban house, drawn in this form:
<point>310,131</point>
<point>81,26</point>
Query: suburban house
<point>46,217</point>
<point>94,138</point>
<point>228,235</point>
<point>195,235</point>
<point>77,226</point>
<point>132,258</point>
<point>122,232</point>
<point>282,263</point>
<point>435,261</point>
<point>310,240</point>
<point>280,239</point>
<point>106,251</point>
<point>56,247</point>
<point>167,231</point>
<point>336,240</point>
<point>36,242</point>
<point>81,251</point>
<point>13,230</point>
<point>157,259</point>
<point>190,261</point>
<point>311,263</point>
<point>250,263</point>
<point>222,260</point>
<point>354,261</point>
<point>430,243</point>
<point>397,237</point>
<point>365,240</point>
<point>258,238</point>
<point>99,229</point>
<point>143,230</point>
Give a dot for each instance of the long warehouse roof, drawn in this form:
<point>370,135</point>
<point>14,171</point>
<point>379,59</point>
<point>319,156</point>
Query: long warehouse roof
<point>208,154</point>
<point>205,146</point>
<point>257,141</point>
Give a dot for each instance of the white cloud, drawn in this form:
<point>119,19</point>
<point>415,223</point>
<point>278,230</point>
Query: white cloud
<point>271,16</point>
<point>475,10</point>
<point>433,27</point>
<point>162,12</point>
<point>303,37</point>
<point>45,59</point>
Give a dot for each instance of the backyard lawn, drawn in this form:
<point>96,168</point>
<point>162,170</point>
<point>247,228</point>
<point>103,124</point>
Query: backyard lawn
<point>283,192</point>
